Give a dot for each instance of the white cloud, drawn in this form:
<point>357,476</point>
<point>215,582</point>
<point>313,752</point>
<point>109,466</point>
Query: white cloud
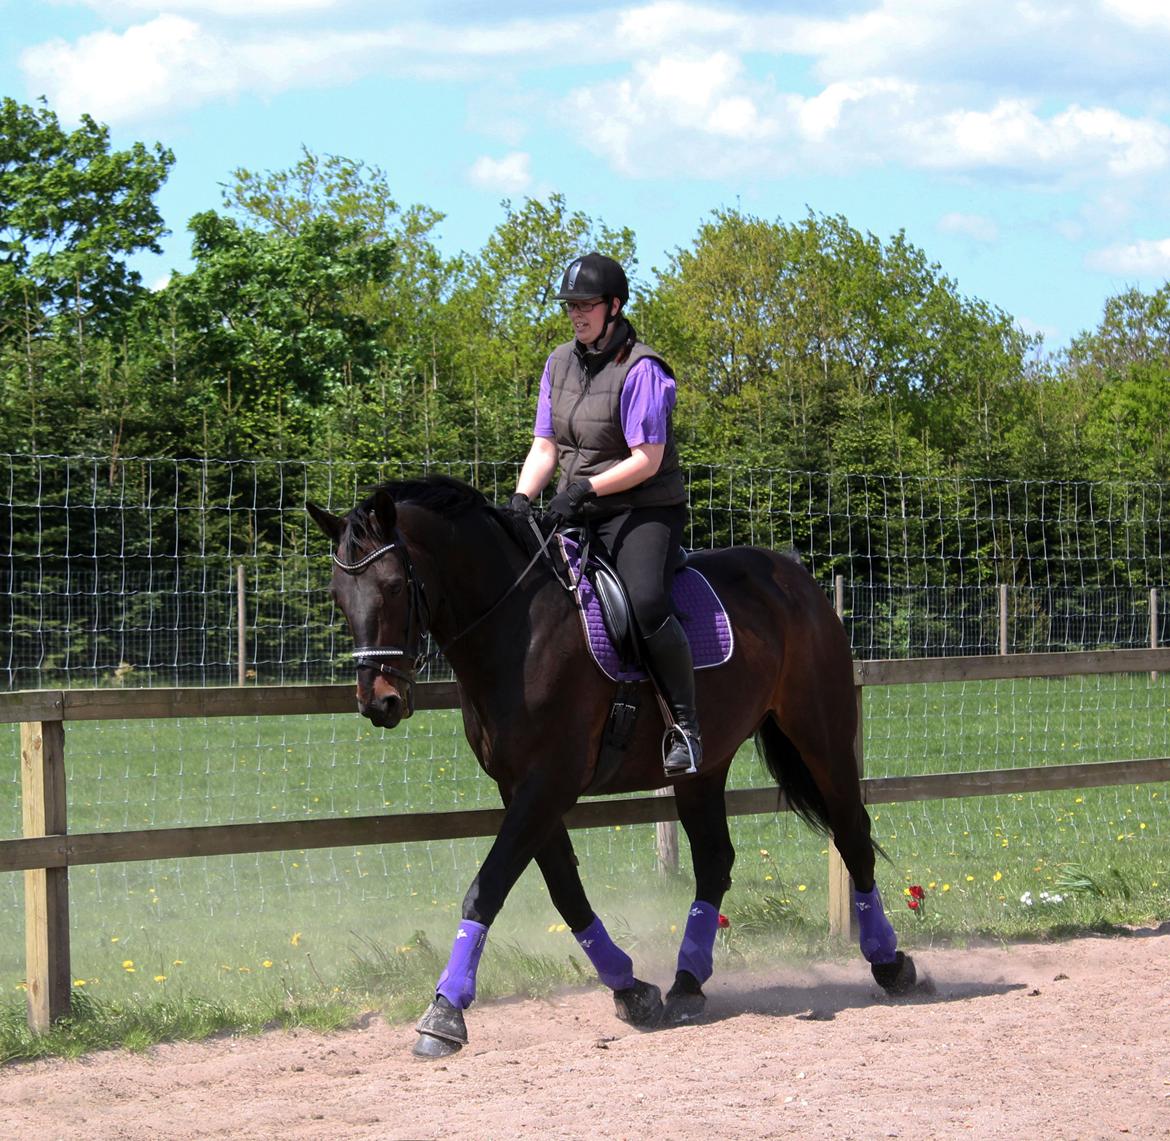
<point>173,63</point>
<point>698,110</point>
<point>510,174</point>
<point>1150,258</point>
<point>1078,142</point>
<point>959,88</point>
<point>1141,13</point>
<point>820,116</point>
<point>112,75</point>
<point>976,226</point>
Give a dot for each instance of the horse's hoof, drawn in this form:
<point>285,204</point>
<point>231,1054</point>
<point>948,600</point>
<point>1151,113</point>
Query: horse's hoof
<point>441,1031</point>
<point>684,1001</point>
<point>428,1047</point>
<point>639,1005</point>
<point>897,977</point>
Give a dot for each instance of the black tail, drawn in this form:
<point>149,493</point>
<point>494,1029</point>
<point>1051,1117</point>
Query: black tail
<point>792,775</point>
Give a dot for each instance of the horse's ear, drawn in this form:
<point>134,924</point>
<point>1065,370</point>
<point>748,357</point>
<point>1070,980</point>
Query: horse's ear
<point>331,524</point>
<point>382,508</point>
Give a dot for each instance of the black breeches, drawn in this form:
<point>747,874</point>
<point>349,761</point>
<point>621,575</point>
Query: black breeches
<point>643,545</point>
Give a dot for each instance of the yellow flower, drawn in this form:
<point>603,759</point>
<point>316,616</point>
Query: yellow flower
<point>267,963</point>
<point>997,877</point>
<point>128,965</point>
<point>177,963</point>
<point>79,982</point>
<point>801,887</point>
<point>160,978</point>
<point>296,939</point>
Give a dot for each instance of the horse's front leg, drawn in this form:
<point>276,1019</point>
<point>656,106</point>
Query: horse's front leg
<point>635,1001</point>
<point>532,814</point>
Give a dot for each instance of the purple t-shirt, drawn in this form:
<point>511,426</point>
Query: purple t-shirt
<point>648,397</point>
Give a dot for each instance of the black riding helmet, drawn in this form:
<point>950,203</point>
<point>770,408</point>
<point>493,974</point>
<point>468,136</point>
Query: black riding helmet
<point>595,275</point>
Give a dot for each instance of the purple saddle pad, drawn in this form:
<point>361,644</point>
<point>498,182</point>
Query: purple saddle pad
<point>702,615</point>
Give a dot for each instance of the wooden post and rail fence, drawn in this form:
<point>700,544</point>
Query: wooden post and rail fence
<point>47,851</point>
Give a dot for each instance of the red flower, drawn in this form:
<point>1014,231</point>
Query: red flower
<point>912,904</point>
<point>916,891</point>
<point>723,920</point>
<point>917,900</point>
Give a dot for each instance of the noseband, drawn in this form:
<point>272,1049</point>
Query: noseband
<point>399,662</point>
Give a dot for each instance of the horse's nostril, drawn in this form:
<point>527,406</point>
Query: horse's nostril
<point>385,710</point>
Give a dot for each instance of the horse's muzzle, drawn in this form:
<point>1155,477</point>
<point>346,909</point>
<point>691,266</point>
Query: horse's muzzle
<point>385,702</point>
<point>385,711</point>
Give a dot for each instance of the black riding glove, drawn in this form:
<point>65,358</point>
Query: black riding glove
<point>520,505</point>
<point>568,506</point>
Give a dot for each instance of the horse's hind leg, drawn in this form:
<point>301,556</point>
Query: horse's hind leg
<point>704,819</point>
<point>819,776</point>
<point>635,1001</point>
<point>850,826</point>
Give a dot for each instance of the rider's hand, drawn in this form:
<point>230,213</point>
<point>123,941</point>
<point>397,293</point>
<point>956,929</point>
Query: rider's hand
<point>568,506</point>
<point>520,505</point>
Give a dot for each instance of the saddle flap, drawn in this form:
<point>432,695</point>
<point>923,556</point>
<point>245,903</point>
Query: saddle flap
<point>615,607</point>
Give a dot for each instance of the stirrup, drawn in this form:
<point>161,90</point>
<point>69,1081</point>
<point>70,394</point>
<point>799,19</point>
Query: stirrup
<point>694,752</point>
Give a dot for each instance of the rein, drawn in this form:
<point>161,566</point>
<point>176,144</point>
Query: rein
<point>419,612</point>
<point>542,552</point>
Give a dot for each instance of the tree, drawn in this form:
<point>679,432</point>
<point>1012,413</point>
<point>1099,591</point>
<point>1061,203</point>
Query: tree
<point>270,328</point>
<point>397,413</point>
<point>71,212</point>
<point>771,325</point>
<point>1118,378</point>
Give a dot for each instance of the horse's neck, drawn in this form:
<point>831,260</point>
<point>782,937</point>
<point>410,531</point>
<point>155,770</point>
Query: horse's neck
<point>466,568</point>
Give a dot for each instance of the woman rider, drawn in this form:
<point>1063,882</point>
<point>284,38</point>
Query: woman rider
<point>604,417</point>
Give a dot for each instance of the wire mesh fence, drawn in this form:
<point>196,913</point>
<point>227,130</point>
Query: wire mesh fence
<point>126,574</point>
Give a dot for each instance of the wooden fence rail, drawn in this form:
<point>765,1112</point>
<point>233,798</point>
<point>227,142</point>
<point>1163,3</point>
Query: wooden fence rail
<point>47,850</point>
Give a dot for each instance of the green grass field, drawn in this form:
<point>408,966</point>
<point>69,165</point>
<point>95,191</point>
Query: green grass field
<point>307,929</point>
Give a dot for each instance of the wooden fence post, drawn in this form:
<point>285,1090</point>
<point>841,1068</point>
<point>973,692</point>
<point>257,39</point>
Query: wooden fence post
<point>667,832</point>
<point>1153,626</point>
<point>841,915</point>
<point>46,890</point>
<point>241,629</point>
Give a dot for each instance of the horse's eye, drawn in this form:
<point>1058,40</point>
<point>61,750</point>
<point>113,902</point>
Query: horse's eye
<point>393,587</point>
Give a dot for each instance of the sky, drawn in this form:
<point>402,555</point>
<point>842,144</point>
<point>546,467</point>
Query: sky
<point>1022,145</point>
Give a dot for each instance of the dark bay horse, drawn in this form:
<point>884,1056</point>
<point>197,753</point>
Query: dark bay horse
<point>432,555</point>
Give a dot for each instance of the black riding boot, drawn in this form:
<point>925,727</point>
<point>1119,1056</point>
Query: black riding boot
<point>668,660</point>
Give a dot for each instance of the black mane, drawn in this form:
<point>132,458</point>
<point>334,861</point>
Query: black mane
<point>444,495</point>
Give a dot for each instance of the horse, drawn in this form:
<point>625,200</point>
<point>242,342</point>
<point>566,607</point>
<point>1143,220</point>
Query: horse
<point>433,556</point>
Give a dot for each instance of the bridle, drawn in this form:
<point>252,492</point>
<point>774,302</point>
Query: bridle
<point>418,611</point>
<point>399,662</point>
